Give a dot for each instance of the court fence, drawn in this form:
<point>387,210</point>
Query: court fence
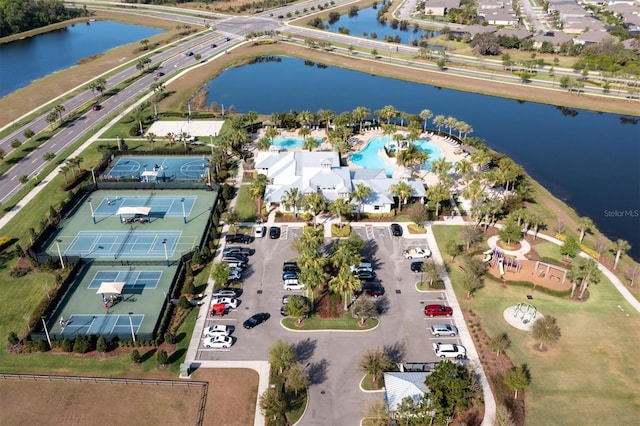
<point>204,386</point>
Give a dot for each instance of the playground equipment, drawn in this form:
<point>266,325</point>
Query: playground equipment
<point>548,272</point>
<point>526,312</point>
<point>487,255</point>
<point>495,256</point>
<point>501,266</point>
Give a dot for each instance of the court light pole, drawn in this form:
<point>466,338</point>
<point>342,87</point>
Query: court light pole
<point>46,331</point>
<point>184,215</point>
<point>58,241</point>
<point>133,335</point>
<point>166,255</point>
<point>93,216</point>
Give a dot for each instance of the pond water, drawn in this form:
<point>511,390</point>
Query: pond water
<point>365,24</point>
<point>29,59</point>
<point>588,159</point>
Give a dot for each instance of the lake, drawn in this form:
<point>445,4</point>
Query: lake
<point>588,159</point>
<point>29,59</point>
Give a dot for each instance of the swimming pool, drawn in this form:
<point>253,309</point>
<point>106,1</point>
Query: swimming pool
<point>368,158</point>
<point>290,142</point>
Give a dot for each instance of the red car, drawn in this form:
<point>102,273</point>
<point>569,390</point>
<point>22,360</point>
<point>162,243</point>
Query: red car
<point>438,311</point>
<point>159,74</point>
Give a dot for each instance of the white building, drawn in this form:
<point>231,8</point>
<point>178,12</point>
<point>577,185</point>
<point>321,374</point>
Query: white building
<point>320,171</point>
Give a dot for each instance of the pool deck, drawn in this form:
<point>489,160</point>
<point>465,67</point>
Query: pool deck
<point>447,149</point>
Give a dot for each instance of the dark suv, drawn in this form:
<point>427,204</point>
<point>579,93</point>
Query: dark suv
<point>416,266</point>
<point>290,267</point>
<point>373,290</point>
<point>274,232</point>
<point>239,238</point>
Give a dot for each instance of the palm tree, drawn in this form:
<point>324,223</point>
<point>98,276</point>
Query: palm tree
<point>480,158</point>
<point>345,283</point>
<point>464,169</point>
<point>315,203</point>
<point>251,117</point>
<point>439,121</point>
<point>359,114</point>
<point>438,194</point>
<point>145,44</point>
<point>465,128</point>
<point>271,132</point>
<point>386,113</point>
<point>305,118</point>
<point>326,115</point>
<point>360,193</point>
<point>303,132</point>
<point>403,191</point>
<point>340,207</point>
<point>291,199</point>
<point>263,144</point>
<point>440,167</point>
<point>450,122</point>
<point>585,224</point>
<point>546,331</point>
<point>425,115</point>
<point>64,170</point>
<point>620,247</point>
<point>256,190</point>
<point>59,110</point>
<point>100,85</point>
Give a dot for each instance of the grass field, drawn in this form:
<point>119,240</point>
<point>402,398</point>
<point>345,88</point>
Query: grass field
<point>347,322</point>
<point>590,374</point>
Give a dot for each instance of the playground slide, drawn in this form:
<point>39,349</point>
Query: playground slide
<point>501,266</point>
<point>487,255</point>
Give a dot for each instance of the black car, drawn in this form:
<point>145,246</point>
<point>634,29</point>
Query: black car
<point>366,275</point>
<point>239,238</point>
<point>232,257</point>
<point>255,320</point>
<point>396,230</point>
<point>416,266</point>
<point>274,232</point>
<point>290,267</point>
<point>243,251</point>
<point>373,290</point>
<point>227,39</point>
<point>214,45</point>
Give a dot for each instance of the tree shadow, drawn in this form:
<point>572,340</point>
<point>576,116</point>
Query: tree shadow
<point>304,349</point>
<point>180,337</point>
<point>147,355</point>
<point>176,355</point>
<point>382,305</point>
<point>395,352</point>
<point>317,372</point>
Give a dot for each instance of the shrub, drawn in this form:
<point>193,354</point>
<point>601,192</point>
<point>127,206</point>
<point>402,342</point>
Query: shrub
<point>101,346</point>
<point>189,287</point>
<point>183,303</point>
<point>330,306</point>
<point>81,344</point>
<point>136,357</point>
<point>18,272</point>
<point>66,345</point>
<point>42,346</point>
<point>336,231</point>
<point>170,338</point>
<point>13,338</point>
<point>163,358</point>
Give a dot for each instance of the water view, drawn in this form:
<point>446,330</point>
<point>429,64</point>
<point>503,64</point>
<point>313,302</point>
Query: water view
<point>368,157</point>
<point>61,49</point>
<point>365,24</point>
<point>588,159</point>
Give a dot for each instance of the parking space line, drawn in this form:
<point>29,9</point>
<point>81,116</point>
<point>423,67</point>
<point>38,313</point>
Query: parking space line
<point>214,350</point>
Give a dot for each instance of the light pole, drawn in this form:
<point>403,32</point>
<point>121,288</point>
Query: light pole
<point>166,255</point>
<point>93,174</point>
<point>46,331</point>
<point>93,216</point>
<point>58,241</point>
<point>133,335</point>
<point>184,215</point>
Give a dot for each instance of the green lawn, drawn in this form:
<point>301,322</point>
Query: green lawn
<point>347,322</point>
<point>246,206</point>
<point>590,374</point>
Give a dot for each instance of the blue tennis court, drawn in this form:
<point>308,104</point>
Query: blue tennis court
<point>132,243</point>
<point>159,168</point>
<point>161,205</point>
<point>135,280</point>
<point>103,325</point>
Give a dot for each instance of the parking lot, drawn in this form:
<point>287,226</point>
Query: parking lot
<point>330,358</point>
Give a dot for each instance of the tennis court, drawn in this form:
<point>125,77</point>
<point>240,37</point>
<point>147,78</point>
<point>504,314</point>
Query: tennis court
<point>159,168</point>
<point>135,281</point>
<point>102,325</point>
<point>161,205</point>
<point>132,243</point>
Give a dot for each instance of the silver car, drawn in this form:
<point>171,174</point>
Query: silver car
<point>444,330</point>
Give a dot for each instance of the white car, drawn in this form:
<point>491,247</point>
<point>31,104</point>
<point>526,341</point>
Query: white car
<point>217,342</point>
<point>259,231</point>
<point>444,330</point>
<point>224,293</point>
<point>293,284</point>
<point>217,330</point>
<point>363,266</point>
<point>230,302</point>
<point>449,350</point>
<point>235,274</point>
<point>416,253</point>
